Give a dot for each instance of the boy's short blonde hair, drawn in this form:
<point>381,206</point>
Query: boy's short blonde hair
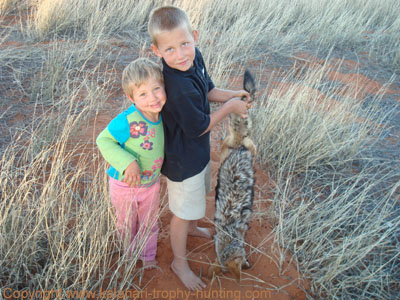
<point>139,71</point>
<point>167,18</point>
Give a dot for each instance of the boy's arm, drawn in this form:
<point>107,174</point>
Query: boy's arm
<point>235,105</point>
<point>113,153</point>
<point>221,95</point>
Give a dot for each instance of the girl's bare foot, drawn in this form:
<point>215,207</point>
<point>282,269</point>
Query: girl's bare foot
<point>186,275</point>
<point>200,232</point>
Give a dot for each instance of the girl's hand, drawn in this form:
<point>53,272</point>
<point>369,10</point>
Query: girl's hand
<point>132,174</point>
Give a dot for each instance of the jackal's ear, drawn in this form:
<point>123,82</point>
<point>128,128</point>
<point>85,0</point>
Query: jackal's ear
<point>235,266</point>
<point>249,84</point>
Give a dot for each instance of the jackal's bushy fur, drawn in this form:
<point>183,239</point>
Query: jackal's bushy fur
<point>234,195</point>
<point>233,208</point>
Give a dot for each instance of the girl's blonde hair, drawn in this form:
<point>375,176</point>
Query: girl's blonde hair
<point>167,18</point>
<point>139,71</point>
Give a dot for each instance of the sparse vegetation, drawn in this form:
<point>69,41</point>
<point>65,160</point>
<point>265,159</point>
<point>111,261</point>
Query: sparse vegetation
<point>335,202</point>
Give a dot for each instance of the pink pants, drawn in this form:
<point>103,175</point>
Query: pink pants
<point>136,210</point>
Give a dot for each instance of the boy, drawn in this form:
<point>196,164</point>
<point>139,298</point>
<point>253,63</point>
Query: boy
<point>133,144</point>
<point>187,124</point>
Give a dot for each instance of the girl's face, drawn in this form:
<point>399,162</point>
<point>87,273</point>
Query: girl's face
<point>149,98</point>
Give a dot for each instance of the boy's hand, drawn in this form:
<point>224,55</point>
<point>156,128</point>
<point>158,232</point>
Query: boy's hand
<point>132,174</point>
<point>242,94</point>
<point>239,107</point>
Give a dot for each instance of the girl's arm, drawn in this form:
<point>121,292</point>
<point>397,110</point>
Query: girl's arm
<point>113,153</point>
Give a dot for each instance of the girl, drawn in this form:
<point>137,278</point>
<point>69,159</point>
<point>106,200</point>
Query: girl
<point>133,144</point>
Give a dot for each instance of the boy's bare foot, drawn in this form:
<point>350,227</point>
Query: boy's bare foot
<point>200,232</point>
<point>188,278</point>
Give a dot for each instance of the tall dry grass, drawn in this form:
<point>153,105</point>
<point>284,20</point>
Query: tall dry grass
<point>57,226</point>
<point>232,33</point>
<point>335,207</point>
<point>306,123</point>
<point>8,7</point>
<point>87,18</point>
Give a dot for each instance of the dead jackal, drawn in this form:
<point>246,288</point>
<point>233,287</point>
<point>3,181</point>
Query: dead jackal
<point>239,128</point>
<point>234,194</point>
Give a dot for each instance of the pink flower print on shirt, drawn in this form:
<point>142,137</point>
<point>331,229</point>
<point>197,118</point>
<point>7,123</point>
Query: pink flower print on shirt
<point>157,164</point>
<point>138,129</point>
<point>146,175</point>
<point>153,132</point>
<point>146,145</point>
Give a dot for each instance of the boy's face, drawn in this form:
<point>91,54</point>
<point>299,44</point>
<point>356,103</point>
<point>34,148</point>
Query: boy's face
<point>149,98</point>
<point>177,47</point>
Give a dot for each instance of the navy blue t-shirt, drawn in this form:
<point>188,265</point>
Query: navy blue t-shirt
<point>186,115</point>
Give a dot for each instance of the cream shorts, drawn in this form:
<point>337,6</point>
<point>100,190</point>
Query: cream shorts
<point>187,199</point>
